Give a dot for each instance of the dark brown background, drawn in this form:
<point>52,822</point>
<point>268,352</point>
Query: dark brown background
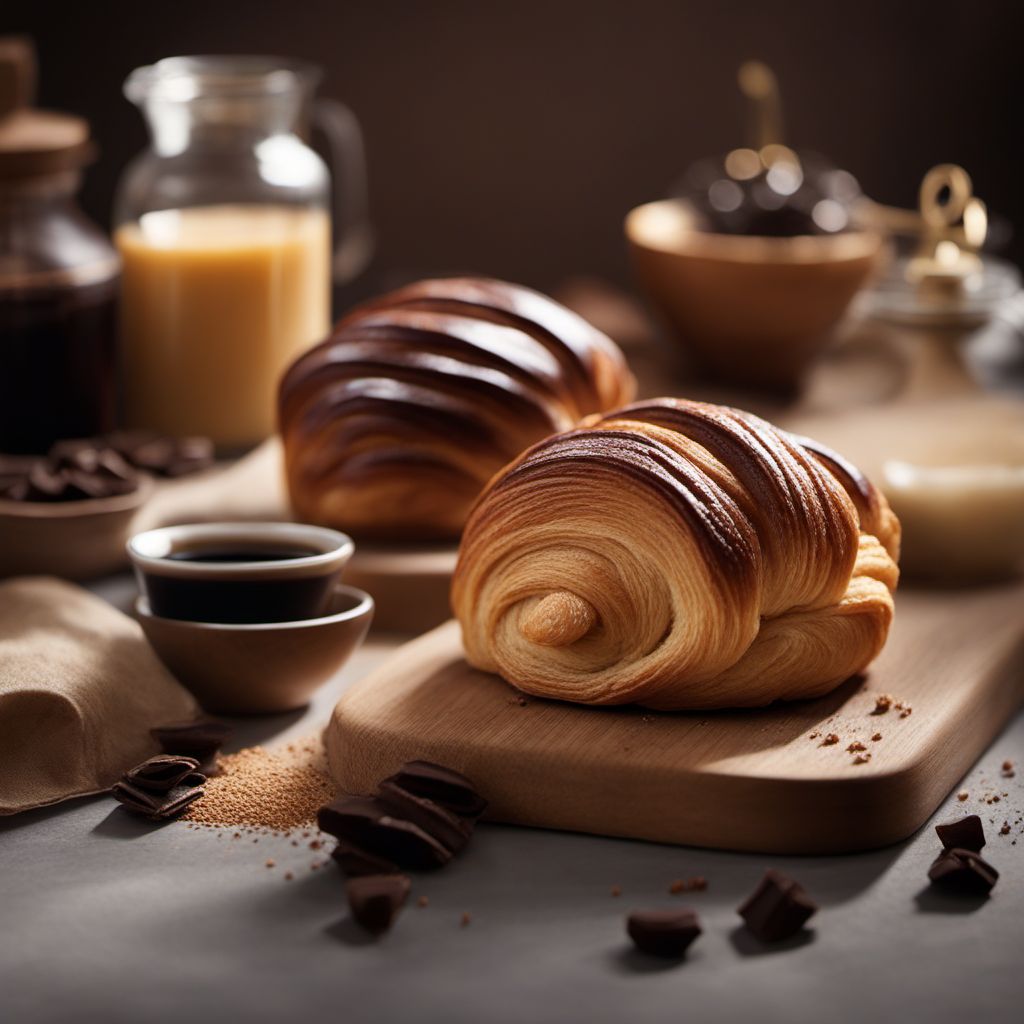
<point>511,137</point>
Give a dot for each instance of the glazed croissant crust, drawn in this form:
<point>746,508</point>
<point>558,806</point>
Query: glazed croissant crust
<point>394,424</point>
<point>677,555</point>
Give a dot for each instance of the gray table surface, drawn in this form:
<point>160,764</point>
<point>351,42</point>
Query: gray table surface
<point>105,917</point>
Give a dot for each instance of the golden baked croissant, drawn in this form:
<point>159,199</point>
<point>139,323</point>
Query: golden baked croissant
<point>677,555</point>
<point>394,424</point>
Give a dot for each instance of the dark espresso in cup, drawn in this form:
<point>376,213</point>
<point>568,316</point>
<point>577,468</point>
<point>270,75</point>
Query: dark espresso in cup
<point>239,573</point>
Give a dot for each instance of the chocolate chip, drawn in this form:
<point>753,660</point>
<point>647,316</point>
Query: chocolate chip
<point>965,834</point>
<point>355,861</point>
<point>449,788</point>
<point>778,908</point>
<point>156,806</point>
<point>369,824</point>
<point>162,773</point>
<point>666,933</point>
<point>963,871</point>
<point>445,827</point>
<point>375,900</point>
<point>200,740</point>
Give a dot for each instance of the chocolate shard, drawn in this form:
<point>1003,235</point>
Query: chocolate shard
<point>778,908</point>
<point>375,900</point>
<point>369,824</point>
<point>161,773</point>
<point>965,834</point>
<point>162,456</point>
<point>156,806</point>
<point>667,933</point>
<point>445,827</point>
<point>200,740</point>
<point>444,786</point>
<point>963,871</point>
<point>355,861</point>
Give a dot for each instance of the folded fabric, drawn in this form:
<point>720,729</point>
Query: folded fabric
<point>79,691</point>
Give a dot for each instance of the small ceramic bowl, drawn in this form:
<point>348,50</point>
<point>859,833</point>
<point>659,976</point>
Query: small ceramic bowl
<point>749,311</point>
<point>259,668</point>
<point>76,540</point>
<point>239,572</point>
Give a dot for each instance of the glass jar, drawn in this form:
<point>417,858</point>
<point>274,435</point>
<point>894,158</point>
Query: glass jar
<point>224,231</point>
<point>58,276</point>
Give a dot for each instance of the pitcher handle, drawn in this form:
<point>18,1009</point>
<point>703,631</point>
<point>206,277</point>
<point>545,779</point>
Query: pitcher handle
<point>353,235</point>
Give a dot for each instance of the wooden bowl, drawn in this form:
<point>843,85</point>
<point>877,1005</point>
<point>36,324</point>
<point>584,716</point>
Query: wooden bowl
<point>749,311</point>
<point>75,540</point>
<point>259,668</point>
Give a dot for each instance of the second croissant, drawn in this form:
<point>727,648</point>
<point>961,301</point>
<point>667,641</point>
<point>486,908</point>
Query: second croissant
<point>677,555</point>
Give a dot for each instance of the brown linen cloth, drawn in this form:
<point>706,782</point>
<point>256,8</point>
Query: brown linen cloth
<point>79,691</point>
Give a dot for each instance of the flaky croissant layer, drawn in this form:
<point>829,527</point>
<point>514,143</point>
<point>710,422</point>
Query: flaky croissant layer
<point>677,555</point>
<point>394,424</point>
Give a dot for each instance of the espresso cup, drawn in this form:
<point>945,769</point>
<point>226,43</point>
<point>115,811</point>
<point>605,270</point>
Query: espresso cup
<point>239,572</point>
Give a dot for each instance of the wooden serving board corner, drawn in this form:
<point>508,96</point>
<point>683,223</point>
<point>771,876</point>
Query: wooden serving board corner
<point>743,780</point>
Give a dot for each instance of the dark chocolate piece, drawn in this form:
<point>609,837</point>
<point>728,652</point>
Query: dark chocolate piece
<point>201,740</point>
<point>162,456</point>
<point>355,861</point>
<point>162,773</point>
<point>666,933</point>
<point>777,908</point>
<point>73,471</point>
<point>14,470</point>
<point>444,786</point>
<point>375,900</point>
<point>370,825</point>
<point>963,871</point>
<point>965,834</point>
<point>156,806</point>
<point>445,827</point>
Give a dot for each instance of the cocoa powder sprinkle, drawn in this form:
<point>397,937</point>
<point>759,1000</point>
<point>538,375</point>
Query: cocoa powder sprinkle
<point>276,790</point>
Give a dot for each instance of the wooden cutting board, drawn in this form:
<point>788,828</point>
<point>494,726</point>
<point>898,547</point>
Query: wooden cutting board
<point>745,780</point>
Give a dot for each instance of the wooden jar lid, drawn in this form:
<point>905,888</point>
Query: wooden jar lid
<point>34,142</point>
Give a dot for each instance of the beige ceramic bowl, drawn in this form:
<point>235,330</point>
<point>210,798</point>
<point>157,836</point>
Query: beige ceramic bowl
<point>258,668</point>
<point>749,311</point>
<point>75,540</point>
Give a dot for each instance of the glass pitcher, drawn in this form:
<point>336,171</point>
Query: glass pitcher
<point>224,230</point>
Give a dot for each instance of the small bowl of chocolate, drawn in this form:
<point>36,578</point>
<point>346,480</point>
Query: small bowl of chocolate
<point>753,270</point>
<point>68,513</point>
<point>249,616</point>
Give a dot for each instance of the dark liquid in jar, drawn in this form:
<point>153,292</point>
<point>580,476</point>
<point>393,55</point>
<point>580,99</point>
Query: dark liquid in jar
<point>57,364</point>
